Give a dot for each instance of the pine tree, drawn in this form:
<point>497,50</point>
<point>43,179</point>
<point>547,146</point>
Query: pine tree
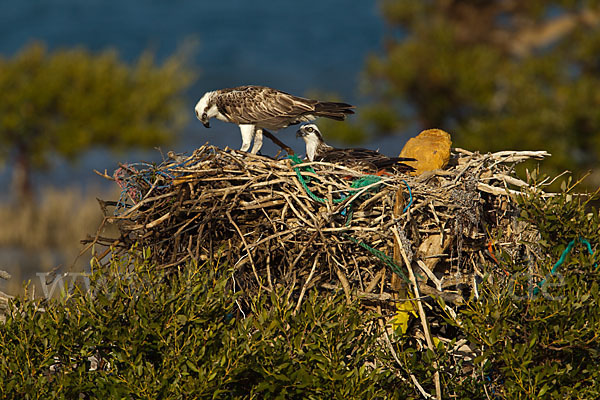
<point>68,101</point>
<point>497,74</point>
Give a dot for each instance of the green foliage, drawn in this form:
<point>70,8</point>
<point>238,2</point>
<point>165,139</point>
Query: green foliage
<point>323,351</point>
<point>68,101</point>
<point>189,335</point>
<point>497,75</point>
<point>544,344</point>
<point>186,338</point>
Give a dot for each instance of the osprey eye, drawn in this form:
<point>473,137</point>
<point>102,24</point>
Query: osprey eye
<point>309,129</point>
<point>204,116</point>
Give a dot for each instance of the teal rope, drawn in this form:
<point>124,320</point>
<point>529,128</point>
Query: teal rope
<point>410,198</point>
<point>563,257</point>
<point>361,182</point>
<point>365,180</point>
<point>295,161</point>
<point>356,184</point>
<point>589,248</point>
<point>389,261</point>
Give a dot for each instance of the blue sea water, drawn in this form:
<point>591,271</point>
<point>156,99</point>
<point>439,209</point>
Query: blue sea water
<point>294,46</point>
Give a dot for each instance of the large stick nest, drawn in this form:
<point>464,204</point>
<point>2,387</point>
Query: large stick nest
<point>255,213</point>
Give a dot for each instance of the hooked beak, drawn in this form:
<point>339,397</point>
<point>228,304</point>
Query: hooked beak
<point>299,133</point>
<point>203,119</point>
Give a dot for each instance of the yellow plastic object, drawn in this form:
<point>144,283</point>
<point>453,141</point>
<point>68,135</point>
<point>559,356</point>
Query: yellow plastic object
<point>431,149</point>
<point>400,320</point>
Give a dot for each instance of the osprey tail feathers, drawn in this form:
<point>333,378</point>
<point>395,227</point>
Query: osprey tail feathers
<point>337,111</point>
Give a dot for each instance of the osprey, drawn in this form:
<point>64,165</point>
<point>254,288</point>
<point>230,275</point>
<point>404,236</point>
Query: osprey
<point>257,108</point>
<point>318,150</point>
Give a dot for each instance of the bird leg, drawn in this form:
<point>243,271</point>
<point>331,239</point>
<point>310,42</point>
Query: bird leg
<point>247,132</point>
<point>258,138</point>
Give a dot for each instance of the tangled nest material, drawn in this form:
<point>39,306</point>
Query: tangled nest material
<point>315,224</point>
<point>281,224</point>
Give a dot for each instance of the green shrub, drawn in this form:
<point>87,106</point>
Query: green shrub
<point>186,338</point>
<point>540,337</point>
<point>189,335</point>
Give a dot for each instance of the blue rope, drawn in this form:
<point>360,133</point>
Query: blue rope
<point>410,198</point>
<point>562,259</point>
<point>132,179</point>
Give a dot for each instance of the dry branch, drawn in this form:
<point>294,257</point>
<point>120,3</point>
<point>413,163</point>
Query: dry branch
<point>253,213</point>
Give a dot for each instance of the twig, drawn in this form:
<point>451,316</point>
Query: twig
<point>371,286</point>
<point>247,250</point>
<point>395,356</point>
<point>104,175</point>
<point>305,286</point>
<point>422,316</point>
<point>344,281</point>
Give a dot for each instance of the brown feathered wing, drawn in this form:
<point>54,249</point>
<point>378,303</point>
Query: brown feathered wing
<point>273,109</point>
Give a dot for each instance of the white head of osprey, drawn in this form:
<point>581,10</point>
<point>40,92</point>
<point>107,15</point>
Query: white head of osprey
<point>258,108</point>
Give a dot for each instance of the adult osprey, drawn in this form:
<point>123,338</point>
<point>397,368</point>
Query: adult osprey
<point>254,108</point>
<point>318,150</point>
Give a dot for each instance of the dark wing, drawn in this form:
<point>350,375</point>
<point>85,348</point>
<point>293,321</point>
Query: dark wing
<point>273,109</point>
<point>368,158</point>
<point>396,163</point>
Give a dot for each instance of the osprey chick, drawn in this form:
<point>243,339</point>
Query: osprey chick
<point>254,108</point>
<point>318,150</point>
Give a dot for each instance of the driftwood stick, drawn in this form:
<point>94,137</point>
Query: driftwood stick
<point>247,250</point>
<point>344,281</point>
<point>305,286</point>
<point>373,284</point>
<point>422,316</point>
<point>395,356</point>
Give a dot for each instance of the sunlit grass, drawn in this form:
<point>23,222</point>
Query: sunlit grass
<point>46,234</point>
